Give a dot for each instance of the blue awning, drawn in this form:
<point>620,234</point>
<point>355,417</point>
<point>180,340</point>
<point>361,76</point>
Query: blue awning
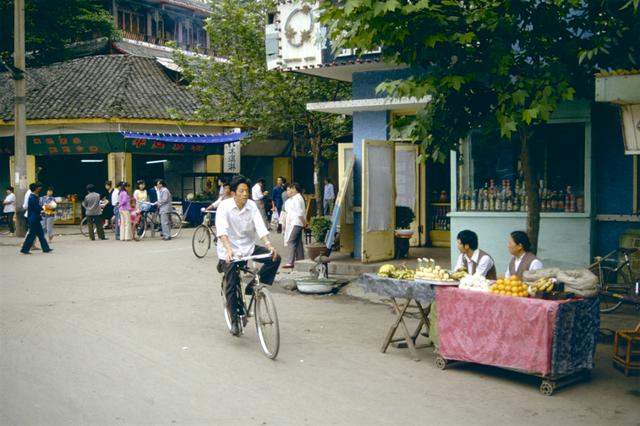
<point>199,139</point>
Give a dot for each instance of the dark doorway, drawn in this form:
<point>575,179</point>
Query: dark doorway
<point>70,174</point>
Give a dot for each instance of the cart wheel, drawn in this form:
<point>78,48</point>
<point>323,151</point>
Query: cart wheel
<point>547,387</point>
<point>441,363</point>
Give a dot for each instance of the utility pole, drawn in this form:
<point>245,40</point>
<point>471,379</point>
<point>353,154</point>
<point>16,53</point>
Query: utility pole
<point>19,178</point>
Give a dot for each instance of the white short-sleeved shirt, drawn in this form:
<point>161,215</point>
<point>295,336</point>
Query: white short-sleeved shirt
<point>240,226</point>
<point>535,265</point>
<point>10,207</point>
<point>25,203</point>
<point>485,264</point>
<point>256,192</point>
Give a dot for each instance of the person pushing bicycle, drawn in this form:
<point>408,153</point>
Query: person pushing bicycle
<point>238,222</point>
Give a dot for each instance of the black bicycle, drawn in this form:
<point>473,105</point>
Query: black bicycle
<point>616,280</point>
<point>204,235</point>
<point>261,307</point>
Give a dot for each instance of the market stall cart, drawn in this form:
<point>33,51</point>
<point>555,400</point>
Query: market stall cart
<point>553,339</point>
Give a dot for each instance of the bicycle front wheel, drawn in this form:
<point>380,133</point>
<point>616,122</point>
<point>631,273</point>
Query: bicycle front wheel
<point>84,228</point>
<point>613,282</point>
<point>267,325</point>
<point>201,241</point>
<point>176,224</point>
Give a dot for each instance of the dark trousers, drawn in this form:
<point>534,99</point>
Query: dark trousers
<point>267,275</point>
<point>97,222</point>
<point>9,217</point>
<point>295,249</point>
<point>35,230</point>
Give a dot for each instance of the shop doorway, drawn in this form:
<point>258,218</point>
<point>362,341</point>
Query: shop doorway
<point>148,168</point>
<point>70,174</point>
<point>437,191</point>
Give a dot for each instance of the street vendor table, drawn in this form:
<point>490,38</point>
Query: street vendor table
<point>414,293</point>
<point>553,339</point>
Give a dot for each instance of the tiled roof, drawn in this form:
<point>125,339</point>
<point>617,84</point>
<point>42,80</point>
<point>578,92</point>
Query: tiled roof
<point>107,86</point>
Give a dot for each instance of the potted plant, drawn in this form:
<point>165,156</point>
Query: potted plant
<point>319,227</point>
<point>404,219</point>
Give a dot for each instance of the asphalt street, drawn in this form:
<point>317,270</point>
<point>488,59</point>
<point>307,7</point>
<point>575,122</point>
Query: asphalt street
<point>111,332</point>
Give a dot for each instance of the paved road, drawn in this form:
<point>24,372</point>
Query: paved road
<point>130,333</point>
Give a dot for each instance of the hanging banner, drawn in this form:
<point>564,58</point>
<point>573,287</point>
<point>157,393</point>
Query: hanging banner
<point>231,158</point>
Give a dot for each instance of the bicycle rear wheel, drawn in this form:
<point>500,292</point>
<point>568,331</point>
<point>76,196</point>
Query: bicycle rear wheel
<point>140,229</point>
<point>267,325</point>
<point>201,241</point>
<point>176,224</point>
<point>614,282</point>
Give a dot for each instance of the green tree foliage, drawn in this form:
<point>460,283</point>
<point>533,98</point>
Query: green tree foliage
<point>52,25</point>
<point>236,86</point>
<point>490,64</point>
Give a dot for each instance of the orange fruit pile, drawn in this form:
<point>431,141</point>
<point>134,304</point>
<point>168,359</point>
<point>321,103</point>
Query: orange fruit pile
<point>511,286</point>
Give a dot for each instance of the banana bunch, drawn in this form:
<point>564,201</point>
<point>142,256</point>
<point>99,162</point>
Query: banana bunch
<point>386,270</point>
<point>404,274</point>
<point>459,274</point>
<point>543,285</point>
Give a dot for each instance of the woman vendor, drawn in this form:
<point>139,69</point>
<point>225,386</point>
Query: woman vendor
<point>522,259</point>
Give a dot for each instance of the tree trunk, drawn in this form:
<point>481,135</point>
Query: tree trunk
<point>315,149</point>
<point>531,189</point>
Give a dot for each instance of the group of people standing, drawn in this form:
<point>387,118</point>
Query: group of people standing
<point>127,209</point>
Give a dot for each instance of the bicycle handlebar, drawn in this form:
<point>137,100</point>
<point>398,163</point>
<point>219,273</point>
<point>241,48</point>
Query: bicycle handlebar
<point>254,257</point>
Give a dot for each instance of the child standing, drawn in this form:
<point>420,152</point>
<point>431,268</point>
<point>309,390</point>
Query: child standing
<point>49,205</point>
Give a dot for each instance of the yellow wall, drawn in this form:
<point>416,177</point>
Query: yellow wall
<point>120,167</point>
<point>31,169</point>
<point>282,166</point>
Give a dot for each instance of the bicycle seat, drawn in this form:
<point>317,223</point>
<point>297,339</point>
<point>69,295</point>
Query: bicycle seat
<point>628,250</point>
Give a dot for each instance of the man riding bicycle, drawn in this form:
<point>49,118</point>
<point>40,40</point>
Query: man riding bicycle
<point>238,221</point>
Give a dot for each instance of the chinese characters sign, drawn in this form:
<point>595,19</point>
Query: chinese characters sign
<point>231,158</point>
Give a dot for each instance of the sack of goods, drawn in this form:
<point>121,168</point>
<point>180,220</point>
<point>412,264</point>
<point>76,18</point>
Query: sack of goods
<point>581,282</point>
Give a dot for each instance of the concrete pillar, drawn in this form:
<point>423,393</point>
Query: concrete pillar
<point>114,8</point>
<point>282,166</point>
<point>120,167</point>
<point>149,29</point>
<point>31,169</point>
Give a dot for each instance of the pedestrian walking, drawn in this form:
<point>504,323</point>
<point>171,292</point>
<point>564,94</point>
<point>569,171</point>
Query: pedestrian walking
<point>34,211</point>
<point>92,206</point>
<point>277,192</point>
<point>115,197</point>
<point>124,207</point>
<point>9,209</point>
<point>25,207</point>
<point>295,222</point>
<point>329,197</point>
<point>107,211</point>
<point>164,208</point>
<point>49,205</point>
<point>257,195</point>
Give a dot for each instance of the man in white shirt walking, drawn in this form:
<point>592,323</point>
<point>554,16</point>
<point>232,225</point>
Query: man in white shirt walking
<point>329,197</point>
<point>9,208</point>
<point>238,222</point>
<point>294,223</point>
<point>257,195</point>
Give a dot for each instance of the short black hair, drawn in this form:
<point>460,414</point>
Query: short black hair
<point>161,182</point>
<point>521,238</point>
<point>32,187</point>
<point>297,186</point>
<point>260,181</point>
<point>123,184</point>
<point>50,188</point>
<point>90,187</point>
<point>237,180</point>
<point>469,238</point>
<point>328,179</point>
<point>109,183</point>
<point>140,182</point>
<point>10,188</point>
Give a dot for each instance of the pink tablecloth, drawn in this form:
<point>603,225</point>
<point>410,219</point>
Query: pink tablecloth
<point>503,331</point>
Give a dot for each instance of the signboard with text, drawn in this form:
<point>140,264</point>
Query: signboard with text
<point>231,158</point>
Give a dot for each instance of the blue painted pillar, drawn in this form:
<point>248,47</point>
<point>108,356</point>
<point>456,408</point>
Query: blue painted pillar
<point>366,125</point>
